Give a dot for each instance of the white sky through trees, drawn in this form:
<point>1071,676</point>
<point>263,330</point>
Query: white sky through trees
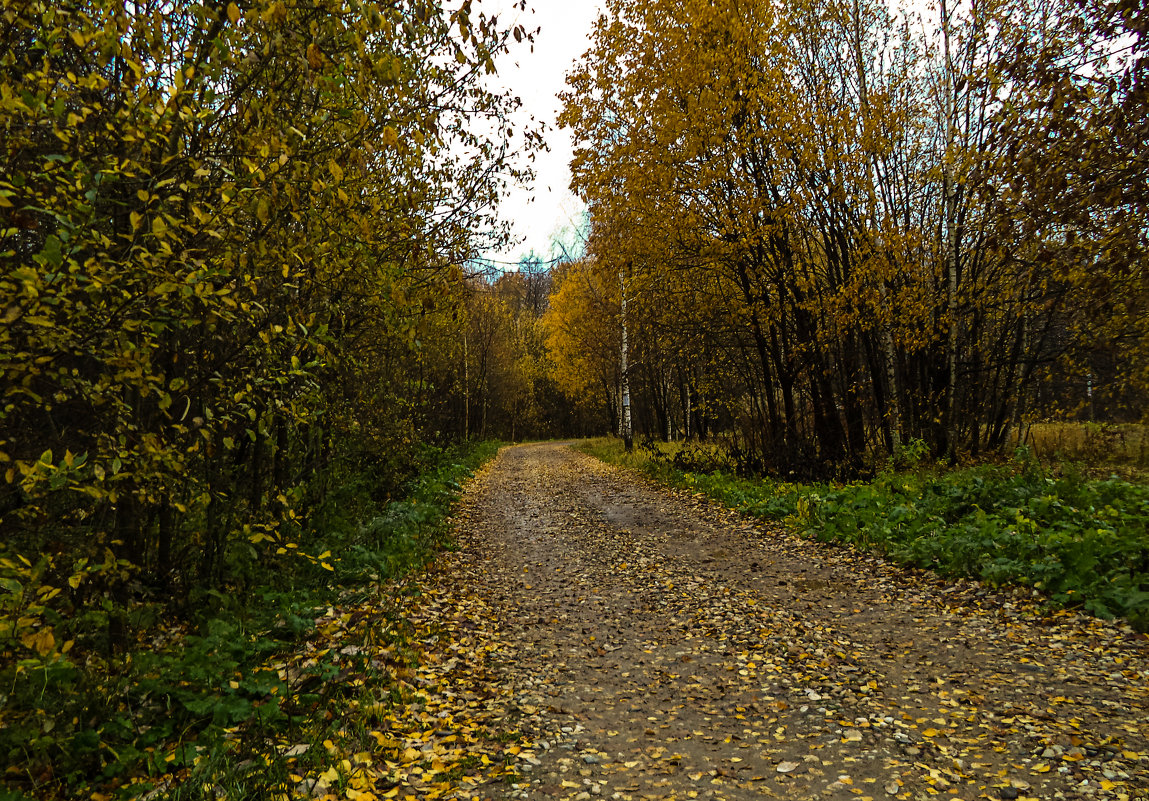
<point>546,205</point>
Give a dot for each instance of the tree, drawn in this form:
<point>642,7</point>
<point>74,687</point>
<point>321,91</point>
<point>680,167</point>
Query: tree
<point>582,338</point>
<point>848,214</point>
<point>223,230</point>
<point>1077,184</point>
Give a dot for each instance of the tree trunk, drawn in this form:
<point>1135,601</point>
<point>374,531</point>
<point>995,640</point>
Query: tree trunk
<point>684,399</point>
<point>949,244</point>
<point>164,546</point>
<point>627,430</point>
<point>466,389</point>
<point>255,496</point>
<point>892,417</point>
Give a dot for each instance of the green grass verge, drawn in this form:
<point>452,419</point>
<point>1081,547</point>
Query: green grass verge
<point>204,703</point>
<point>1083,542</point>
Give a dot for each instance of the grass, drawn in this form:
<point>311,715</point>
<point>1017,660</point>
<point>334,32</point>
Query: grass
<point>1108,445</point>
<point>211,698</point>
<point>1082,541</point>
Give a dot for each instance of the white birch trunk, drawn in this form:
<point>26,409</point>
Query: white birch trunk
<point>627,430</point>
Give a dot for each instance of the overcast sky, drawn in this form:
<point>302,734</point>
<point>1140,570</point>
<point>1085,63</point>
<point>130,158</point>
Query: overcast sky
<point>546,205</point>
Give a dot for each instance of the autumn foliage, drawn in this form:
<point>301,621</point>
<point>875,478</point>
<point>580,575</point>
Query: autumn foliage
<point>232,241</point>
<point>226,231</point>
<point>842,227</point>
<point>241,307</point>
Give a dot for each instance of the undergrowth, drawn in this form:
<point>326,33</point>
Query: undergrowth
<point>208,694</point>
<point>1081,541</point>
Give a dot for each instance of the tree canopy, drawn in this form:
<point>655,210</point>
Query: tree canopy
<point>871,227</point>
<point>229,234</point>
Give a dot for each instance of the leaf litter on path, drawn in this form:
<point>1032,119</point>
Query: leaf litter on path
<point>598,636</point>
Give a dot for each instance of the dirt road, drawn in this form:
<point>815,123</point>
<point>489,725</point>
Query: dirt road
<point>659,647</point>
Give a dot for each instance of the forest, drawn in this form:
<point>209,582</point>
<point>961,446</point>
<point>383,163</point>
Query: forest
<point>233,253</point>
<point>244,307</point>
<point>839,228</point>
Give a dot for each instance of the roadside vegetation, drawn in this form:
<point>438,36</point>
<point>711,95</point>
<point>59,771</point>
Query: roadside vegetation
<point>1079,538</point>
<point>246,319</point>
<point>241,328</point>
<point>220,695</point>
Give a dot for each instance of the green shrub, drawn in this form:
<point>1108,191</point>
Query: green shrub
<point>198,690</point>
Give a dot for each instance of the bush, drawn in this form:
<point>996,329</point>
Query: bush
<point>197,693</point>
<point>1083,542</point>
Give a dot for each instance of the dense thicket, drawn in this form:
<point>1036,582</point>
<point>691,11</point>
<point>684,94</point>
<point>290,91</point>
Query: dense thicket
<point>230,248</point>
<point>495,376</point>
<point>840,227</point>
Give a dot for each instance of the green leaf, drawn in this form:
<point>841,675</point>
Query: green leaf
<point>51,254</point>
<point>11,585</point>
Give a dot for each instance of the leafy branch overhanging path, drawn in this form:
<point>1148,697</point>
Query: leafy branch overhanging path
<point>654,646</point>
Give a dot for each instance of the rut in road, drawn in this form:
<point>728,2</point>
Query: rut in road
<point>659,647</point>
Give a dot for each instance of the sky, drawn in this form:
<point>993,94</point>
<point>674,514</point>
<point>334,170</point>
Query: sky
<point>546,205</point>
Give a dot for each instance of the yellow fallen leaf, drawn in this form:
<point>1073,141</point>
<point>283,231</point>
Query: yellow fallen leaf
<point>382,739</point>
